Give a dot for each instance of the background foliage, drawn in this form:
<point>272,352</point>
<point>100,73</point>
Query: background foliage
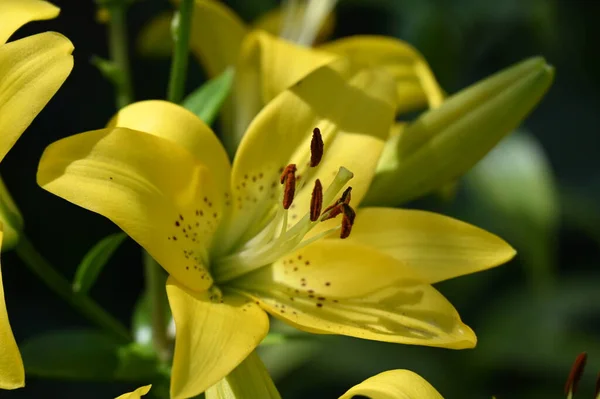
<point>540,191</point>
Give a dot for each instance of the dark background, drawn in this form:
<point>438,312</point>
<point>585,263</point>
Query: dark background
<point>527,340</point>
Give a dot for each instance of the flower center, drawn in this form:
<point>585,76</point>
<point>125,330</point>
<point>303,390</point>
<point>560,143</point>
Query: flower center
<point>278,238</point>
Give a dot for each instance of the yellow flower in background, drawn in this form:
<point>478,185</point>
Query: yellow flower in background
<point>31,71</point>
<point>394,384</point>
<point>137,394</point>
<point>266,65</point>
<point>261,235</point>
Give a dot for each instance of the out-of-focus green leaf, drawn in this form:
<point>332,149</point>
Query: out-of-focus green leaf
<point>206,101</point>
<point>517,185</point>
<point>87,355</point>
<point>73,355</point>
<point>521,332</point>
<point>444,143</point>
<point>94,261</point>
<point>141,321</point>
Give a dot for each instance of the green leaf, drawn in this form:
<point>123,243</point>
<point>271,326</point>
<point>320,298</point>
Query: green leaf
<point>89,356</point>
<point>206,101</point>
<point>78,355</point>
<point>141,321</point>
<point>90,267</point>
<point>444,143</point>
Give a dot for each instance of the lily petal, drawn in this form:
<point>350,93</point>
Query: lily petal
<point>249,380</point>
<point>263,71</point>
<point>356,291</point>
<point>31,71</point>
<point>16,13</point>
<point>156,191</point>
<point>274,22</point>
<point>216,37</point>
<point>213,336</point>
<point>415,83</point>
<point>137,394</point>
<point>394,384</point>
<point>281,134</point>
<point>175,123</point>
<point>436,246</point>
<point>12,373</point>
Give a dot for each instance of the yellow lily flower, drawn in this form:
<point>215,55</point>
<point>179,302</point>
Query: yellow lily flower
<point>394,384</point>
<point>137,394</point>
<point>220,39</point>
<point>31,71</point>
<point>243,240</point>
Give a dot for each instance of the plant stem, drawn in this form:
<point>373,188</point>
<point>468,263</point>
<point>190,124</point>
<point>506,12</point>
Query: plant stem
<point>182,24</point>
<point>119,52</point>
<point>61,286</point>
<point>156,291</point>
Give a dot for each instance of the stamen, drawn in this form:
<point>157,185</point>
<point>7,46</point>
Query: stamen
<point>346,196</point>
<point>331,212</point>
<point>347,220</point>
<point>316,148</point>
<point>288,178</point>
<point>575,374</point>
<point>316,201</point>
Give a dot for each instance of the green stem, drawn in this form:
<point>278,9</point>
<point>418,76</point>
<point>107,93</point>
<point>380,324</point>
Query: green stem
<point>181,39</point>
<point>119,52</point>
<point>61,286</point>
<point>155,289</point>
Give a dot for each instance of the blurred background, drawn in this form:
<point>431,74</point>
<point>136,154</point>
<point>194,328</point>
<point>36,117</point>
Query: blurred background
<point>539,190</point>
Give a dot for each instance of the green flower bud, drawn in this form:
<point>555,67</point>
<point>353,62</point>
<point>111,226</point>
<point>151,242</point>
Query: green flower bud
<point>444,143</point>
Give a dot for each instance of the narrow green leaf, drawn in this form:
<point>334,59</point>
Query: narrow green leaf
<point>206,101</point>
<point>141,321</point>
<point>88,355</point>
<point>75,355</point>
<point>93,262</point>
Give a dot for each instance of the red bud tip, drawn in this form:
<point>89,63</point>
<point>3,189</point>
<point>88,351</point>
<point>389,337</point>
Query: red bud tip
<point>576,373</point>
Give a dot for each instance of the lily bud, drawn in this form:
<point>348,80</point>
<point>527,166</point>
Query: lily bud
<point>11,219</point>
<point>444,143</point>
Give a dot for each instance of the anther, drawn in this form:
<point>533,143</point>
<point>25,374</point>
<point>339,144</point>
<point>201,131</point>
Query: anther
<point>347,220</point>
<point>316,201</point>
<point>331,212</point>
<point>348,212</point>
<point>316,148</point>
<point>288,178</point>
<point>575,374</point>
<point>346,196</point>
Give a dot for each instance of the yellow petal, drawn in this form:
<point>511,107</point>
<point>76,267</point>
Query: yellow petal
<point>249,380</point>
<point>137,394</point>
<point>16,13</point>
<point>31,71</point>
<point>153,189</point>
<point>216,36</point>
<point>273,22</point>
<point>415,83</point>
<point>357,291</point>
<point>170,121</point>
<point>214,334</point>
<point>263,71</point>
<point>12,373</point>
<point>281,133</point>
<point>436,246</point>
<point>394,384</point>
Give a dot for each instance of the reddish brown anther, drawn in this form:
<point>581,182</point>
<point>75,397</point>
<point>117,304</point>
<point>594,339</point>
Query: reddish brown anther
<point>331,212</point>
<point>316,201</point>
<point>346,196</point>
<point>290,169</point>
<point>346,228</point>
<point>316,147</point>
<point>576,373</point>
<point>348,212</point>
